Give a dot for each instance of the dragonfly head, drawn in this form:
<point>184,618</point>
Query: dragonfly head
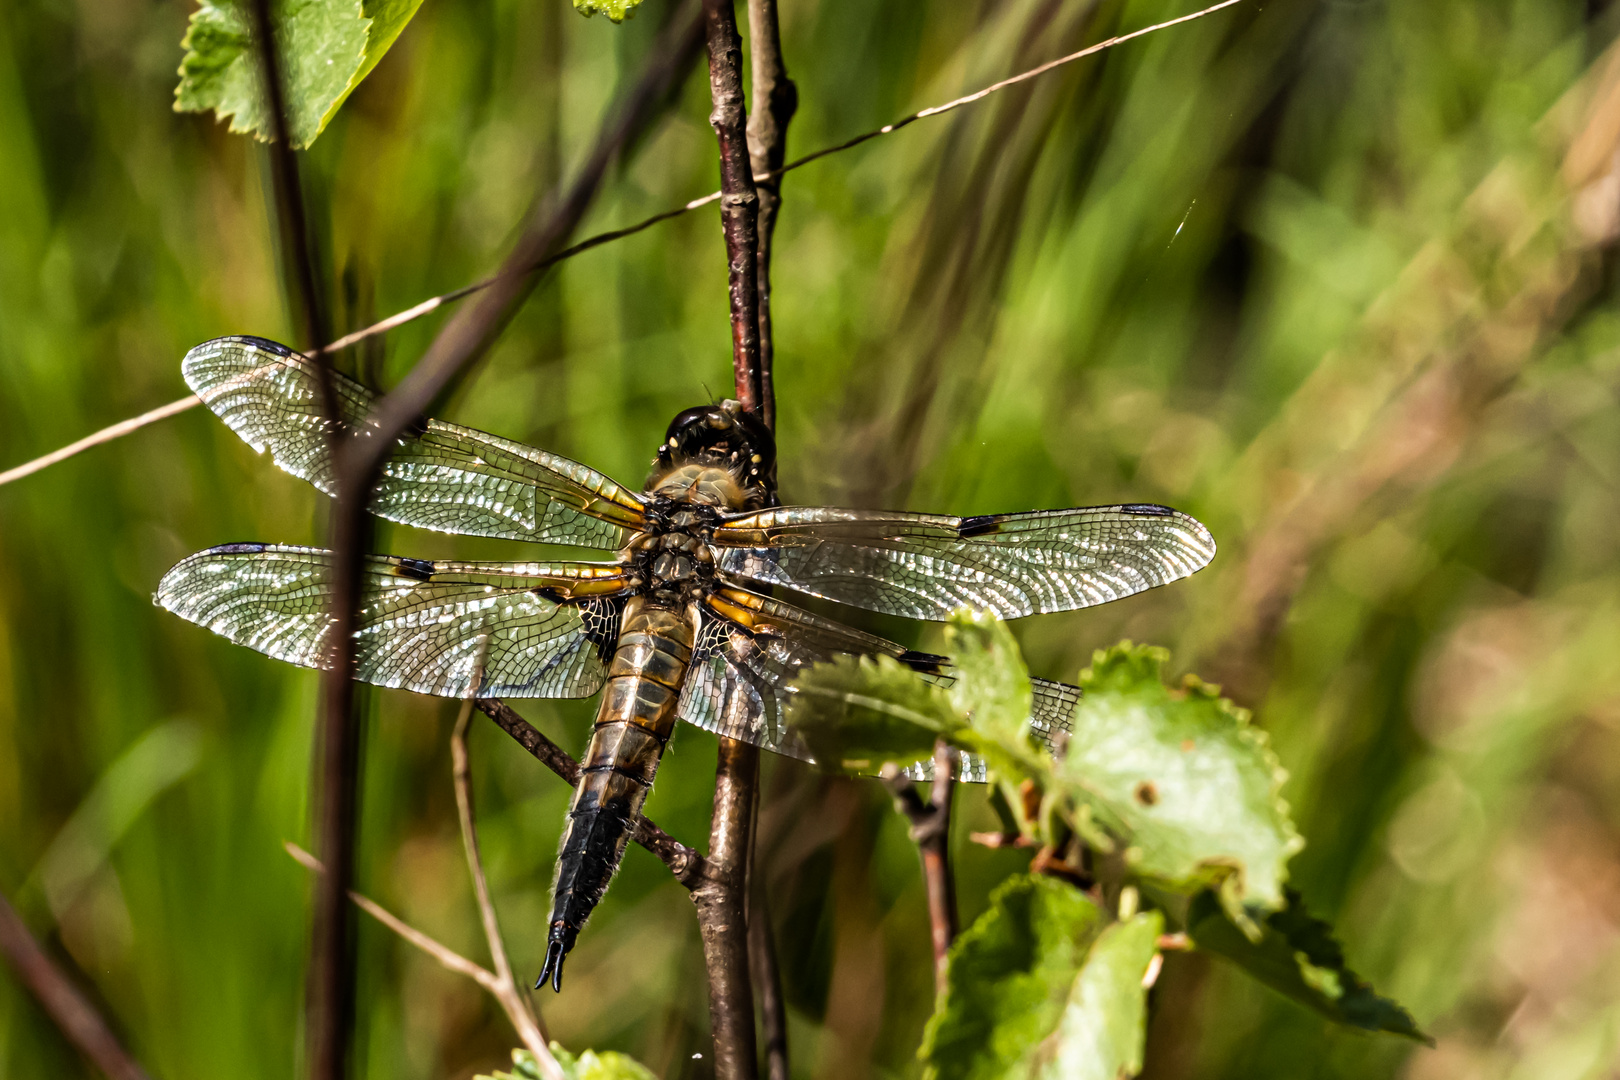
<point>722,435</point>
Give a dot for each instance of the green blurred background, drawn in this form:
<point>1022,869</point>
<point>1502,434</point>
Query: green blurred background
<point>1337,276</point>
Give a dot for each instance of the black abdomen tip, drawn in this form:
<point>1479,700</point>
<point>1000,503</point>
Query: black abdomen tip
<point>556,951</point>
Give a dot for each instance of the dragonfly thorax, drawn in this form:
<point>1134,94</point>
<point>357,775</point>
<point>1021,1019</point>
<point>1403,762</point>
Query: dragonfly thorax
<point>673,554</point>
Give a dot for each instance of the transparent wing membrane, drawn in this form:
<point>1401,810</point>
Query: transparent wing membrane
<point>450,629</point>
<point>924,566</point>
<point>750,648</point>
<point>441,476</point>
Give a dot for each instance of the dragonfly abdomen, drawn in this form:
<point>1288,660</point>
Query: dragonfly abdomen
<point>633,726</point>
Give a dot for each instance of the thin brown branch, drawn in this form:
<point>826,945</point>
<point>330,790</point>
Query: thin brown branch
<point>1023,76</point>
<point>739,202</point>
<point>524,1019</point>
<point>687,865</point>
<point>105,435</point>
<point>776,99</point>
<point>432,304</point>
<point>72,1012</point>
<point>329,1006</point>
<point>931,829</point>
<point>720,899</point>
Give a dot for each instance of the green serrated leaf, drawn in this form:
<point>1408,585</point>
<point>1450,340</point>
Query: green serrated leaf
<point>1180,778</point>
<point>617,10</point>
<point>590,1065</point>
<point>326,47</point>
<point>1298,957</point>
<point>858,712</point>
<point>991,686</point>
<point>1104,1022</point>
<point>1008,979</point>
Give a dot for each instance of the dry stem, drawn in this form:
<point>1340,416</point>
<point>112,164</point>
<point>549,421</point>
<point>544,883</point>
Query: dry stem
<point>446,956</point>
<point>77,1019</point>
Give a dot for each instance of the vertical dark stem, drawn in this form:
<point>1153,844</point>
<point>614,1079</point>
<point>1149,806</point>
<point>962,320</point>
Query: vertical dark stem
<point>776,99</point>
<point>291,216</point>
<point>330,1003</point>
<point>358,462</point>
<point>78,1020</point>
<point>721,898</point>
<point>739,203</point>
<point>722,913</point>
<point>768,979</point>
<point>330,993</point>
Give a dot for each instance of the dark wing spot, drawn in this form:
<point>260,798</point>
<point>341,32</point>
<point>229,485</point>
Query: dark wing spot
<point>1146,793</point>
<point>600,616</point>
<point>978,526</point>
<point>237,549</point>
<point>1151,509</point>
<point>415,569</point>
<point>927,663</point>
<point>267,345</point>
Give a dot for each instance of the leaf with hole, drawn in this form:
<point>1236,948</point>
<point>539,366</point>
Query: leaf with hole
<point>1181,781</point>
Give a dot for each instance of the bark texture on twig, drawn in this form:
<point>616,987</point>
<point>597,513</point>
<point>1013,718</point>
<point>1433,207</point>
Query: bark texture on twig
<point>931,829</point>
<point>776,99</point>
<point>721,897</point>
<point>739,203</point>
<point>721,901</point>
<point>71,1011</point>
<point>687,865</point>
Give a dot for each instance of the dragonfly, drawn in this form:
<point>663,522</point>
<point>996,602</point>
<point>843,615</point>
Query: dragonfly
<point>681,623</point>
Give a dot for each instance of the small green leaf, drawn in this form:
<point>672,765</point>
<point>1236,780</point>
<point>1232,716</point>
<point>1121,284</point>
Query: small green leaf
<point>326,48</point>
<point>859,712</point>
<point>991,686</point>
<point>1104,1022</point>
<point>1297,956</point>
<point>617,10</point>
<point>590,1065</point>
<point>1189,789</point>
<point>1009,977</point>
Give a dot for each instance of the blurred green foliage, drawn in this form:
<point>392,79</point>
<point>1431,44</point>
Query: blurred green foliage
<point>1336,276</point>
